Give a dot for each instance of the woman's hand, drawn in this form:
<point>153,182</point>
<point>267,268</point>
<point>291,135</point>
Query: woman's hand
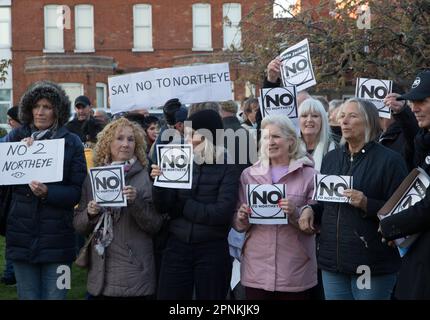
<point>28,141</point>
<point>391,102</point>
<point>274,70</point>
<point>93,208</point>
<point>356,198</point>
<point>242,217</point>
<point>39,189</point>
<point>306,221</point>
<point>130,193</point>
<point>155,172</point>
<point>288,206</point>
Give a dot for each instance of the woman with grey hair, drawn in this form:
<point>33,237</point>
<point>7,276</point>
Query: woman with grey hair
<point>278,260</point>
<point>349,238</point>
<point>315,130</point>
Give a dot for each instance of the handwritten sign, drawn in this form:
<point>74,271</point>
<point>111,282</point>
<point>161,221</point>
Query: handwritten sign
<point>107,184</point>
<point>21,164</point>
<point>375,90</point>
<point>176,165</point>
<point>191,84</point>
<point>263,200</point>
<point>330,188</point>
<point>296,69</point>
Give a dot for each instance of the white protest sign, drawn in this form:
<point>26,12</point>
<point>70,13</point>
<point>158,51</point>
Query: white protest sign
<point>413,194</point>
<point>296,69</point>
<point>330,188</point>
<point>42,161</point>
<point>278,101</point>
<point>176,165</point>
<point>375,91</point>
<point>107,184</point>
<point>191,84</point>
<point>263,200</point>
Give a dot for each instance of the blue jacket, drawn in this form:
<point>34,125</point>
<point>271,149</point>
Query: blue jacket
<point>41,231</point>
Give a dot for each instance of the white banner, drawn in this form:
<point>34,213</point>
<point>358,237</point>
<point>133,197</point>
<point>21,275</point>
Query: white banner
<point>296,69</point>
<point>191,84</point>
<point>107,184</point>
<point>42,161</point>
<point>330,188</point>
<point>263,200</point>
<point>375,91</point>
<point>176,165</point>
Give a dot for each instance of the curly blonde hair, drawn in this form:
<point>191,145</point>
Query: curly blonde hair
<point>102,154</point>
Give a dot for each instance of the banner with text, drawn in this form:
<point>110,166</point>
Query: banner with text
<point>330,188</point>
<point>263,200</point>
<point>191,84</point>
<point>375,90</point>
<point>296,69</point>
<point>21,164</point>
<point>107,184</point>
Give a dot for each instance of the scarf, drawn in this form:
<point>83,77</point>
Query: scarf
<point>43,134</point>
<point>103,232</point>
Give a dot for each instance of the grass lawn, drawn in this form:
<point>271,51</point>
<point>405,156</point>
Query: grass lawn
<point>78,282</point>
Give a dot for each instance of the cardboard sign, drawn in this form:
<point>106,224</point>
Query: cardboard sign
<point>330,188</point>
<point>296,69</point>
<point>176,165</point>
<point>191,84</point>
<point>107,184</point>
<point>412,190</point>
<point>42,161</point>
<point>375,91</point>
<point>263,200</point>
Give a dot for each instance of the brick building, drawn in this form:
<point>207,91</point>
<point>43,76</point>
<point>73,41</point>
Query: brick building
<point>103,38</point>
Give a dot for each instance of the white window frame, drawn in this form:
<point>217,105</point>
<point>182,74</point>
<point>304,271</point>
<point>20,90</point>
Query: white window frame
<point>77,26</point>
<point>207,6</point>
<point>148,25</point>
<point>60,48</point>
<point>226,7</point>
<point>104,87</point>
<point>6,104</point>
<point>65,86</point>
<point>8,21</point>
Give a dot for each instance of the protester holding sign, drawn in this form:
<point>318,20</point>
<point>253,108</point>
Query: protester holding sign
<point>40,235</point>
<point>196,256</point>
<point>121,257</point>
<point>278,261</point>
<point>414,275</point>
<point>349,237</point>
<point>315,130</point>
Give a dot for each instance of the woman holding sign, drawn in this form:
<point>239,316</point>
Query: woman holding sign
<point>40,235</point>
<point>355,263</point>
<point>278,260</point>
<point>121,257</point>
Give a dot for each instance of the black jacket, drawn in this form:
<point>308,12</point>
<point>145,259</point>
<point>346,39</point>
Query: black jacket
<point>414,277</point>
<point>349,236</point>
<point>205,212</point>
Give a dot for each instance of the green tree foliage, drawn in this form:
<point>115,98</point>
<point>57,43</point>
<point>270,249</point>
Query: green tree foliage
<point>4,64</point>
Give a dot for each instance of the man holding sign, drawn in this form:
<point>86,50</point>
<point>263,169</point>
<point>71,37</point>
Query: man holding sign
<point>40,233</point>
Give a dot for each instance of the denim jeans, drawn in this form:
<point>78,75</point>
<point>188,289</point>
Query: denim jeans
<point>339,286</point>
<point>38,281</point>
<point>203,269</point>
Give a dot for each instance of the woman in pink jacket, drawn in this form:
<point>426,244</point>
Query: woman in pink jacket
<point>278,260</point>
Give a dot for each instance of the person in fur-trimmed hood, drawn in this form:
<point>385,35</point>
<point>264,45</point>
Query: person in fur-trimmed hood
<point>40,235</point>
<point>278,260</point>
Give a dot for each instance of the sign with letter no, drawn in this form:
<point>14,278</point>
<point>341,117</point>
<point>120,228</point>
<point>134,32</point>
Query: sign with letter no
<point>263,200</point>
<point>330,188</point>
<point>176,164</point>
<point>107,184</point>
<point>375,90</point>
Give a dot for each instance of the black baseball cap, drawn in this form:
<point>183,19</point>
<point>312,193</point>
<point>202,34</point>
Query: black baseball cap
<point>82,100</point>
<point>420,88</point>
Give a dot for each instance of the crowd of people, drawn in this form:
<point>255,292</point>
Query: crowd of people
<point>177,244</point>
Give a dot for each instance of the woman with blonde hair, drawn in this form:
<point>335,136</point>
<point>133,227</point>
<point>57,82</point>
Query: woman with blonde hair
<point>121,263</point>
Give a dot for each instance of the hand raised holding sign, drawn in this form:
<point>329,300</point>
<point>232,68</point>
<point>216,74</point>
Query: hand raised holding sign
<point>130,193</point>
<point>391,102</point>
<point>39,189</point>
<point>356,198</point>
<point>274,70</point>
<point>242,218</point>
<point>155,172</point>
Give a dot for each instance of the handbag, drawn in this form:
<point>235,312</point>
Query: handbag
<point>83,259</point>
<point>5,200</point>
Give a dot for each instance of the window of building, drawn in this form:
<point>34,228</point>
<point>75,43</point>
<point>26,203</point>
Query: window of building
<point>5,30</point>
<point>232,14</point>
<point>249,89</point>
<point>73,90</point>
<point>53,34</point>
<point>202,33</point>
<point>101,92</point>
<point>5,104</point>
<point>84,28</point>
<point>142,27</point>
